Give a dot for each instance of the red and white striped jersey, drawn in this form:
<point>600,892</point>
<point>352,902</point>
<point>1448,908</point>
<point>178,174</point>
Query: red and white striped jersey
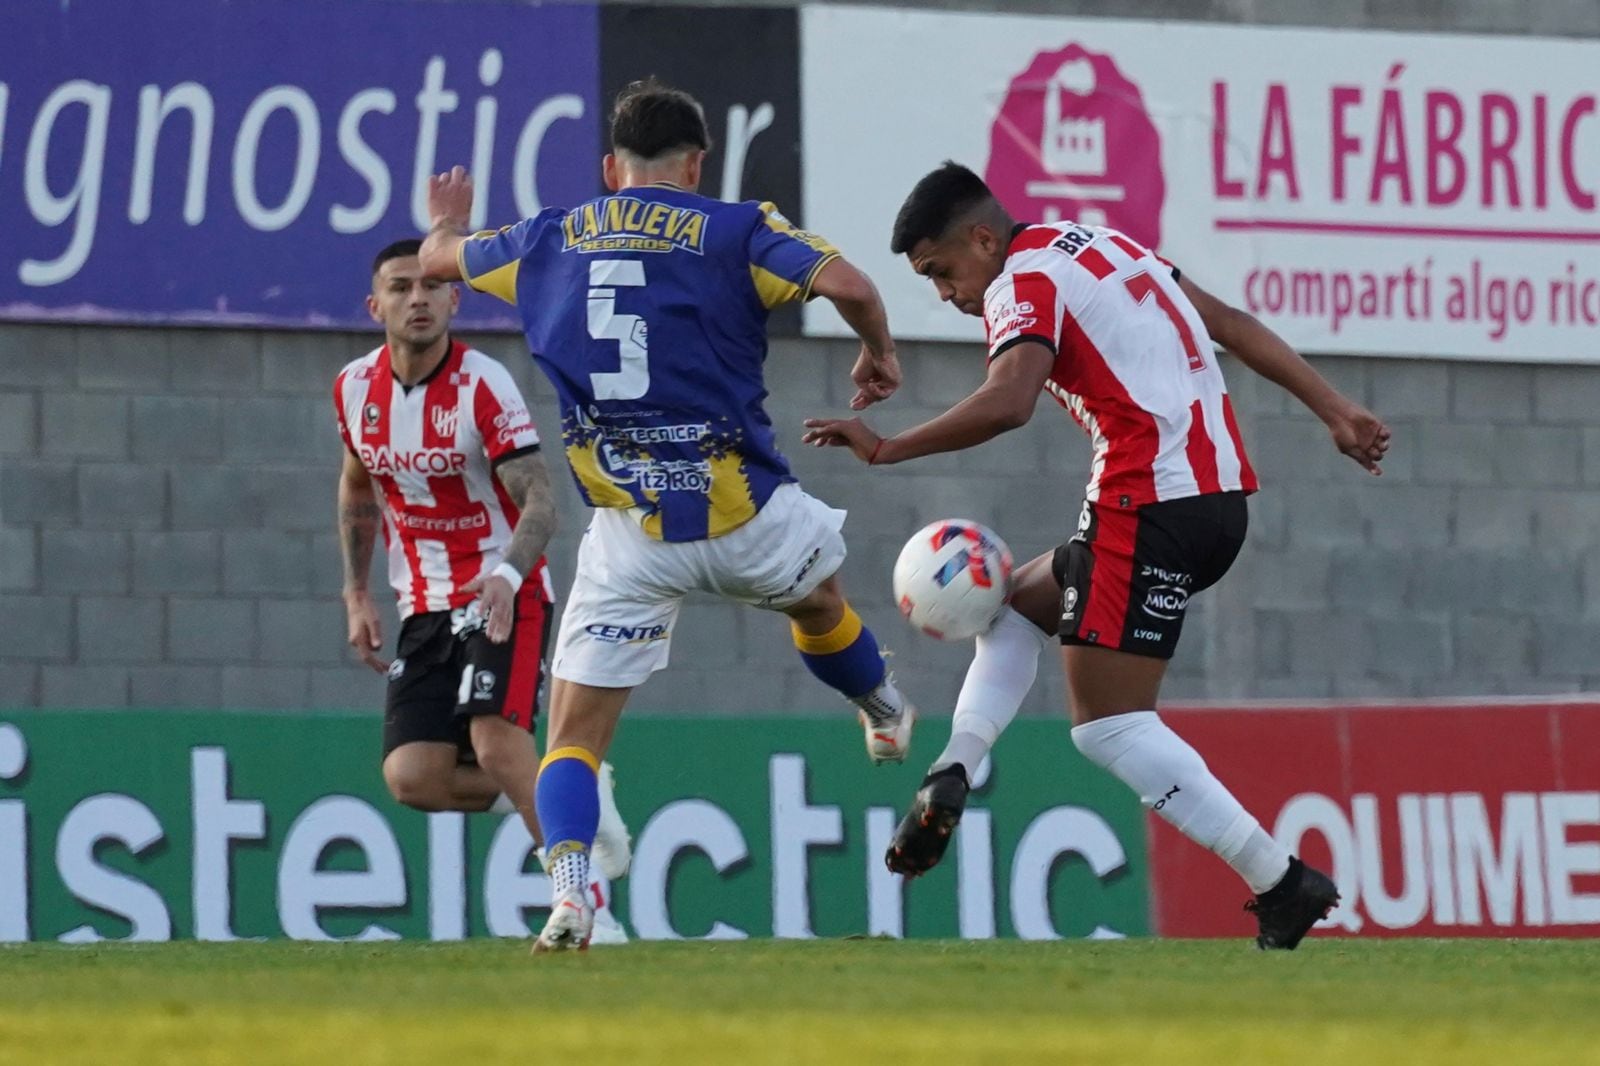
<point>431,451</point>
<point>1134,364</point>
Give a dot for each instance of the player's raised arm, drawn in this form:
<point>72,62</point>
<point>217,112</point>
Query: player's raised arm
<point>450,220</point>
<point>358,532</point>
<point>877,370</point>
<point>1356,431</point>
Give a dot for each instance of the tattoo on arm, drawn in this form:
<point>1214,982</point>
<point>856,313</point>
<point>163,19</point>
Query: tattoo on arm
<point>527,480</point>
<point>358,532</point>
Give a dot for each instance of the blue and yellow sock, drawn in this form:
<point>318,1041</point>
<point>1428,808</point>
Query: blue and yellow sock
<point>846,658</point>
<point>567,797</point>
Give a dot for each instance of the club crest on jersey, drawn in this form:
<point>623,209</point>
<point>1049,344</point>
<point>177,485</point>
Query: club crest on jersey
<point>369,418</point>
<point>445,420</point>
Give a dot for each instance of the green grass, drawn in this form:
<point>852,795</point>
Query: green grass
<point>1173,1003</point>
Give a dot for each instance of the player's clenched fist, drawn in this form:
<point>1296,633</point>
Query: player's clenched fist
<point>876,376</point>
<point>1361,435</point>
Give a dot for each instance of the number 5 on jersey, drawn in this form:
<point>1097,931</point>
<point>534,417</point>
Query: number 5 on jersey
<point>632,380</point>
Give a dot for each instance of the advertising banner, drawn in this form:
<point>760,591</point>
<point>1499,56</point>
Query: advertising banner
<point>1361,192</point>
<point>1434,821</point>
<point>241,162</point>
<point>155,826</point>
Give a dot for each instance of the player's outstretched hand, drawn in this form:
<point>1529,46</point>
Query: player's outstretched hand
<point>450,199</point>
<point>849,433</point>
<point>497,604</point>
<point>876,377</point>
<point>1361,435</point>
<point>365,630</point>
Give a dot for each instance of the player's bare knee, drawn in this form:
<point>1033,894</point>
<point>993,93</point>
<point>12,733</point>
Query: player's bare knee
<point>411,786</point>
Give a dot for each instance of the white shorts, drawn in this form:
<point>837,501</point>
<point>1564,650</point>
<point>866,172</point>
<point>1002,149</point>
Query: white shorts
<point>616,629</point>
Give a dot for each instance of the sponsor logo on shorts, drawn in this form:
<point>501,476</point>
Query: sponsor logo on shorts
<point>1166,602</point>
<point>1149,634</point>
<point>805,568</point>
<point>608,634</point>
<point>483,685</point>
<point>1069,605</point>
<point>1167,577</point>
<point>397,670</point>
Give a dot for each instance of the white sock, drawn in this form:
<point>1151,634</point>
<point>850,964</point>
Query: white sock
<point>883,703</point>
<point>599,886</point>
<point>1172,779</point>
<point>1004,666</point>
<point>502,805</point>
<point>569,871</point>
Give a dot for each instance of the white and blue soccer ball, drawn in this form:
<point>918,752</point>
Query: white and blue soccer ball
<point>953,578</point>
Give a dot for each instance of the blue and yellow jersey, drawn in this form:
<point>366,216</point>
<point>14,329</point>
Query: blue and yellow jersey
<point>647,309</point>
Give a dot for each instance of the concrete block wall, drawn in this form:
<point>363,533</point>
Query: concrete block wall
<point>166,530</point>
<point>166,505</point>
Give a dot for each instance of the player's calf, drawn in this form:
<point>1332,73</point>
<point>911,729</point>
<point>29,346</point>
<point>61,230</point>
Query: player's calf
<point>421,776</point>
<point>843,654</point>
<point>507,753</point>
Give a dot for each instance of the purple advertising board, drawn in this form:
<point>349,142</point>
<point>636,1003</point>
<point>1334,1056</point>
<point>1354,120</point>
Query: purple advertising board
<point>241,161</point>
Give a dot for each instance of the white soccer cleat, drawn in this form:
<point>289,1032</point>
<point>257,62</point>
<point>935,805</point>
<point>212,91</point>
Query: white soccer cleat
<point>570,927</point>
<point>613,848</point>
<point>888,735</point>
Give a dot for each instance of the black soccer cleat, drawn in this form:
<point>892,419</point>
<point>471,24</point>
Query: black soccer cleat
<point>1287,911</point>
<point>924,834</point>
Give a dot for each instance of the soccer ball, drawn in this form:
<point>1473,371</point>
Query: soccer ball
<point>952,579</point>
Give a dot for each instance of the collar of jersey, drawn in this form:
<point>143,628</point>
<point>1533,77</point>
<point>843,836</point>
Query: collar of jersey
<point>450,356</point>
<point>1016,231</point>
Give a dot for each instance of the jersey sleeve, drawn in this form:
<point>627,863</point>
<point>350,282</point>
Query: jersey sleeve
<point>1020,307</point>
<point>785,261</point>
<point>491,260</point>
<point>338,412</point>
<point>503,420</point>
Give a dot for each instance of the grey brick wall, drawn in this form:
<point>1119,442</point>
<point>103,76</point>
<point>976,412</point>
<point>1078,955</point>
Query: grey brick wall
<point>166,501</point>
<point>166,534</point>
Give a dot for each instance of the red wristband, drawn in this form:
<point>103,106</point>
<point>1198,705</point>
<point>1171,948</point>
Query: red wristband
<point>873,458</point>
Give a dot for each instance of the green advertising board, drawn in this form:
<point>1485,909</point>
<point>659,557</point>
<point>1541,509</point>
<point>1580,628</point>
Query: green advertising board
<point>160,825</point>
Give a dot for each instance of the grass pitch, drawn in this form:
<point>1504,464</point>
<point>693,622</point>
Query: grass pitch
<point>1174,1003</point>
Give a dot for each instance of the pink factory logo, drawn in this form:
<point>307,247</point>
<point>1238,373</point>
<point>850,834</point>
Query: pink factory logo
<point>1073,140</point>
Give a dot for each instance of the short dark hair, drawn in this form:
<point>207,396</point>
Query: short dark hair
<point>398,250</point>
<point>935,203</point>
<point>651,119</point>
